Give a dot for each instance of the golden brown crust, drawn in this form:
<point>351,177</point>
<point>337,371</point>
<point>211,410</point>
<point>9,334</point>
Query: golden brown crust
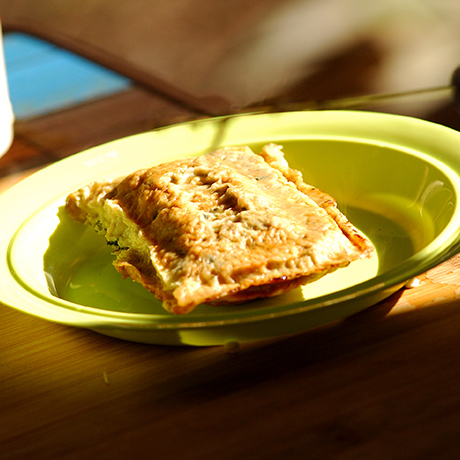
<point>224,227</point>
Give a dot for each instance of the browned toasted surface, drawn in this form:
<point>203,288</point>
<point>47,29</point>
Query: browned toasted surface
<point>227,226</point>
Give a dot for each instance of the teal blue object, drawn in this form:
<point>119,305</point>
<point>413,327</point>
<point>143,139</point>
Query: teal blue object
<point>44,78</point>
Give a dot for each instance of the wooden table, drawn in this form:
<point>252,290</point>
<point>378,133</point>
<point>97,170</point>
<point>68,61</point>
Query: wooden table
<point>384,383</point>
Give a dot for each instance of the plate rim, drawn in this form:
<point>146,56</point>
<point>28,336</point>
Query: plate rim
<point>399,276</point>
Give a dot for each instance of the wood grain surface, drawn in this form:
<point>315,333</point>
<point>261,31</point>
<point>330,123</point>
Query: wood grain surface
<point>384,383</point>
<point>380,384</point>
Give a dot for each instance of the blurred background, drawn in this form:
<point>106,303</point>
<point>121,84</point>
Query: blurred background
<point>175,59</point>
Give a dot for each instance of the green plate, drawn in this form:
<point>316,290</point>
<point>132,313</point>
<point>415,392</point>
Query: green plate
<point>396,178</point>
